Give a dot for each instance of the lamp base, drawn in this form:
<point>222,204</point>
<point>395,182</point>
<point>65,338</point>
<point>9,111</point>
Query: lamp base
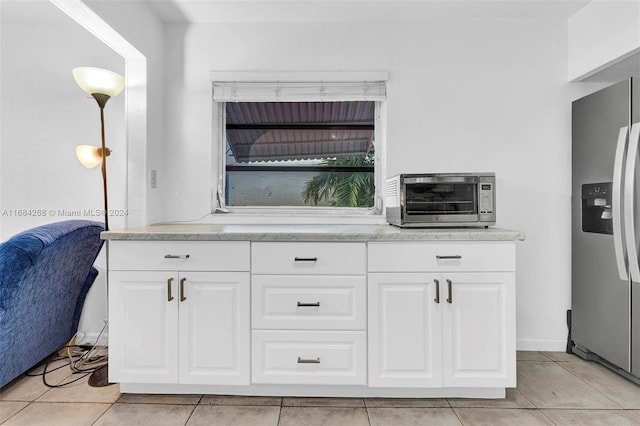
<point>100,377</point>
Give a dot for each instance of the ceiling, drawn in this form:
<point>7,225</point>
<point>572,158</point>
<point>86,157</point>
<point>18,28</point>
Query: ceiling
<point>209,11</point>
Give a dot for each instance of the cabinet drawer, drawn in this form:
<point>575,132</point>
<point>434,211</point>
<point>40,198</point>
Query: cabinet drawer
<point>179,255</point>
<point>309,258</point>
<point>310,357</point>
<point>309,302</point>
<point>426,257</point>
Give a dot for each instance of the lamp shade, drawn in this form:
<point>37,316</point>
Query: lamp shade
<point>89,156</point>
<point>98,80</point>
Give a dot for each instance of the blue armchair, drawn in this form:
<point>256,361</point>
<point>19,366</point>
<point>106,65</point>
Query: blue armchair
<point>45,274</point>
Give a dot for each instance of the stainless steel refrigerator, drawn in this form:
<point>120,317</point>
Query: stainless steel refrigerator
<point>604,319</point>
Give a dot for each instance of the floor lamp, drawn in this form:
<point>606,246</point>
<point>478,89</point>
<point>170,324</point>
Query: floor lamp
<point>102,85</point>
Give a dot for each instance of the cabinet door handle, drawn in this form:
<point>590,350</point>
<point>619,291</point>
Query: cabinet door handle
<point>437,283</point>
<point>449,285</point>
<point>309,305</point>
<point>176,256</point>
<point>169,296</point>
<point>182,296</point>
<point>305,259</point>
<point>308,361</point>
<point>455,256</point>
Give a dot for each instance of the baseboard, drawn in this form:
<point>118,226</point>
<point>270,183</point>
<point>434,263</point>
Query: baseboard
<point>546,345</point>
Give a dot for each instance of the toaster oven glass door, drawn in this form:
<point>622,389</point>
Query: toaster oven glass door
<point>442,201</point>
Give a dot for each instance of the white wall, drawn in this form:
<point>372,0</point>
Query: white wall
<point>44,116</point>
<point>138,24</point>
<point>463,95</point>
<point>603,35</point>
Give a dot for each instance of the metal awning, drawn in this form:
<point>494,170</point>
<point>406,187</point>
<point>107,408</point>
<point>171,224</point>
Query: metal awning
<point>272,131</point>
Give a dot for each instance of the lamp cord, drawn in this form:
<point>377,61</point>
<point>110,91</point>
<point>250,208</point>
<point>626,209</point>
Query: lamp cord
<point>80,362</point>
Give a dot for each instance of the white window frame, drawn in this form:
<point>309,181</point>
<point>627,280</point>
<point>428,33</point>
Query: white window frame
<point>269,79</point>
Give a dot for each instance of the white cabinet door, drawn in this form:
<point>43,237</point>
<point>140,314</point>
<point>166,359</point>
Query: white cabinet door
<point>405,330</point>
<point>143,327</point>
<point>214,328</point>
<point>191,327</point>
<point>466,340</point>
<point>479,329</point>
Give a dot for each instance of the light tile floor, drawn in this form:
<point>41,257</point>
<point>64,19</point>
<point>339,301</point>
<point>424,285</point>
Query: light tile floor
<point>553,389</point>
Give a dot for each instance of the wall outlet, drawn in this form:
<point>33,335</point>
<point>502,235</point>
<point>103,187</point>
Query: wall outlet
<point>154,178</point>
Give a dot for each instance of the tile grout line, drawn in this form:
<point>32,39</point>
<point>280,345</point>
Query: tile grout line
<point>589,384</point>
<point>193,411</point>
<point>455,413</point>
<point>546,417</point>
<point>561,364</point>
<point>558,363</point>
<point>524,395</point>
<point>16,413</point>
<point>103,413</point>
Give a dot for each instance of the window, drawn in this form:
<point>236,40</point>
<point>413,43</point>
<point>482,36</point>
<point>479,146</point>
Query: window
<point>309,147</point>
<point>300,154</point>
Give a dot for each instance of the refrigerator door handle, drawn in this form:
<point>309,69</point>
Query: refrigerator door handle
<point>616,208</point>
<point>629,205</point>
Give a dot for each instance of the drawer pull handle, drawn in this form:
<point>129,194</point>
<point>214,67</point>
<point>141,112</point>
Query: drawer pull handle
<point>450,298</point>
<point>182,296</point>
<point>455,256</point>
<point>176,256</point>
<point>308,361</point>
<point>305,259</point>
<point>309,305</point>
<point>169,296</point>
<point>437,283</point>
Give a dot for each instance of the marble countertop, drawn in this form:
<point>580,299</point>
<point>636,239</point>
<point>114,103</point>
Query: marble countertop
<point>321,232</point>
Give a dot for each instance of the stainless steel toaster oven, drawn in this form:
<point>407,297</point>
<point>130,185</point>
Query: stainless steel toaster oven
<point>441,200</point>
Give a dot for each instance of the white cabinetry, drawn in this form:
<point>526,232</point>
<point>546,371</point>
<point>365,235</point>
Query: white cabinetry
<point>392,318</point>
<point>478,333</point>
<point>143,328</point>
<point>441,325</point>
<point>309,313</point>
<point>404,331</point>
<point>179,312</point>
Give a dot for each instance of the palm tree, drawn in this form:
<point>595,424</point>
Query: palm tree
<point>342,189</point>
